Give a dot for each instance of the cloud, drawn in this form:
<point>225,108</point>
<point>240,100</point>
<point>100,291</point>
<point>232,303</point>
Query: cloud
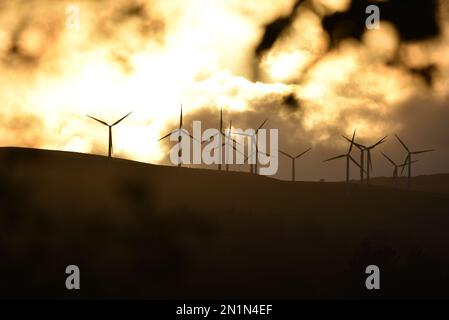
<point>275,59</point>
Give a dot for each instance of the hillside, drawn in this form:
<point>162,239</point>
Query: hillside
<point>438,183</point>
<point>145,231</point>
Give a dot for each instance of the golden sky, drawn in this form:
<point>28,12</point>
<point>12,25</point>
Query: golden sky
<point>150,56</point>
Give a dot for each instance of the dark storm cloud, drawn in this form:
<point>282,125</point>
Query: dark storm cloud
<point>137,17</point>
<point>17,55</point>
<point>291,102</point>
<point>30,38</point>
<point>146,22</point>
<point>426,121</point>
<point>274,29</point>
<point>415,20</point>
<point>426,73</point>
<point>421,122</point>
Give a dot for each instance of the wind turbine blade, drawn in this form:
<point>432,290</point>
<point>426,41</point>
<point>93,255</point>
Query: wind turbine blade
<point>352,142</point>
<point>224,144</point>
<point>406,162</point>
<point>423,151</point>
<point>102,122</point>
<point>378,143</point>
<point>258,151</point>
<point>356,163</point>
<point>180,118</point>
<point>414,161</point>
<point>303,153</point>
<point>230,133</point>
<point>210,138</point>
<point>358,145</point>
<point>118,121</point>
<point>194,138</point>
<point>346,138</point>
<point>233,147</point>
<point>242,134</point>
<point>286,154</point>
<point>263,123</point>
<point>402,142</point>
<point>389,159</point>
<point>233,140</point>
<point>335,158</point>
<point>403,168</point>
<point>252,136</point>
<point>166,136</point>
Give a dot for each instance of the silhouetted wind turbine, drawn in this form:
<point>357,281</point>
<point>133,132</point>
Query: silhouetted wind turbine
<point>294,160</point>
<point>369,163</point>
<point>227,138</point>
<point>408,159</point>
<point>362,150</point>
<point>110,145</point>
<point>396,167</point>
<point>253,143</point>
<point>221,132</point>
<point>232,143</point>
<point>267,154</point>
<point>348,159</point>
<point>179,137</point>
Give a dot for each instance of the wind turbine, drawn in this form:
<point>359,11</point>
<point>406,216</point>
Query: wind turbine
<point>227,138</point>
<point>408,159</point>
<point>221,132</point>
<point>396,167</point>
<point>179,137</point>
<point>369,164</point>
<point>110,145</point>
<point>362,150</point>
<point>254,144</point>
<point>348,159</point>
<point>232,144</point>
<point>267,154</point>
<point>294,160</point>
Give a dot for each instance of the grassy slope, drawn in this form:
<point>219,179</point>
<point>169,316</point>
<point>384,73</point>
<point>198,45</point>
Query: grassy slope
<point>438,183</point>
<point>139,230</point>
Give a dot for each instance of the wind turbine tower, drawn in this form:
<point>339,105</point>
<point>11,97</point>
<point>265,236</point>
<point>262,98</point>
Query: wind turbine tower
<point>294,158</point>
<point>110,144</point>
